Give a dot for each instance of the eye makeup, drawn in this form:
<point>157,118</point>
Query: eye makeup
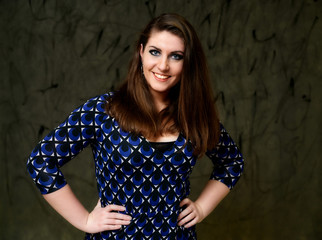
<point>175,55</point>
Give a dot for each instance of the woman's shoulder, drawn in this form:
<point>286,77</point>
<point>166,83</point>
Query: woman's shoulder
<point>102,97</point>
<point>97,103</point>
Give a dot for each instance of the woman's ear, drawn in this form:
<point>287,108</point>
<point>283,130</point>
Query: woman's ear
<point>141,50</point>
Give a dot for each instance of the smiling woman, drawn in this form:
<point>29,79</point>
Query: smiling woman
<point>146,138</point>
<point>168,49</point>
<point>162,60</point>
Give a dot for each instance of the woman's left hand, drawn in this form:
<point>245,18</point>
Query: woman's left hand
<point>191,215</point>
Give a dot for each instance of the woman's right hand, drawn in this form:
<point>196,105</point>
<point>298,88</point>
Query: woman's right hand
<point>100,219</point>
<point>107,218</point>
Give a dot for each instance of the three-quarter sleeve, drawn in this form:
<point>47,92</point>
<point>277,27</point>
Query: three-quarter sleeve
<point>61,145</point>
<point>227,160</point>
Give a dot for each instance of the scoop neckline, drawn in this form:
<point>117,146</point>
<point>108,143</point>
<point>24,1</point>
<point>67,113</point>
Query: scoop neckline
<point>173,143</point>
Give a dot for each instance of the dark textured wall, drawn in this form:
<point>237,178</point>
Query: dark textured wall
<point>266,66</point>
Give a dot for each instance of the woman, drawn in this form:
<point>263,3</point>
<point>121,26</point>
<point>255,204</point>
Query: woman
<point>146,138</point>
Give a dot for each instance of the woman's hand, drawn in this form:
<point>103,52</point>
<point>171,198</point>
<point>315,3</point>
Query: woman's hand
<point>209,198</point>
<point>191,215</point>
<point>106,219</point>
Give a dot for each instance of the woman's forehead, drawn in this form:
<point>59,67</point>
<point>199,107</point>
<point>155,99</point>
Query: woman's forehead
<point>166,40</point>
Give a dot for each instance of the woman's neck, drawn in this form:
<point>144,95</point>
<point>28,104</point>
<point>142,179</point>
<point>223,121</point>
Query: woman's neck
<point>171,137</point>
<point>161,101</point>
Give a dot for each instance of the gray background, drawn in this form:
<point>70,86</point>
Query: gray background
<point>265,61</point>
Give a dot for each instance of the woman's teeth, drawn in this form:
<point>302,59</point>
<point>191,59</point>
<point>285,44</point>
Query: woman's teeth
<point>161,76</point>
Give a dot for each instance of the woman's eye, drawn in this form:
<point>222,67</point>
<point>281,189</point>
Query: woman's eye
<point>154,52</point>
<point>177,56</point>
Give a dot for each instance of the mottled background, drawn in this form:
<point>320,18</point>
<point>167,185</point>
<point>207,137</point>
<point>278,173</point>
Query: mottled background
<point>265,61</point>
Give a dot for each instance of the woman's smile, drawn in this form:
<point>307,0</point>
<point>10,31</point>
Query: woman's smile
<point>161,77</point>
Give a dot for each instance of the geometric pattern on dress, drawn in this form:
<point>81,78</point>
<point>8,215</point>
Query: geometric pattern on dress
<point>227,160</point>
<point>129,171</point>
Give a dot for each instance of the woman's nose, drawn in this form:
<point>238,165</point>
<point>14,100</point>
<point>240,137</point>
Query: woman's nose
<point>163,64</point>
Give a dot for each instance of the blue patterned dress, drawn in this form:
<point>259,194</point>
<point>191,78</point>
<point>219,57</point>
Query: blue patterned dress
<point>130,171</point>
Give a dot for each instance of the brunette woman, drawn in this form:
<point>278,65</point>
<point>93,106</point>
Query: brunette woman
<point>146,138</point>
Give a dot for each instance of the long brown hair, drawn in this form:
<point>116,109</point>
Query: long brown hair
<point>191,110</point>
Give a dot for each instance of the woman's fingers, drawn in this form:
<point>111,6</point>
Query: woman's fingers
<point>117,219</point>
<point>186,216</point>
<point>188,221</point>
<point>107,218</point>
<point>113,216</point>
<point>112,227</point>
<point>190,215</point>
<point>188,209</point>
<point>185,202</point>
<point>184,213</point>
<point>114,207</point>
<point>118,216</point>
<point>114,220</point>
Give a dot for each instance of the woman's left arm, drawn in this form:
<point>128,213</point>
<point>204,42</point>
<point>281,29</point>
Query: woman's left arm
<point>208,200</point>
<point>228,166</point>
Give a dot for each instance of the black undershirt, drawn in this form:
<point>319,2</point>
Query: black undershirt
<point>161,146</point>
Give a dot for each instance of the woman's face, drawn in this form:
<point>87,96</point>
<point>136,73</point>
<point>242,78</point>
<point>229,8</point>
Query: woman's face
<point>162,60</point>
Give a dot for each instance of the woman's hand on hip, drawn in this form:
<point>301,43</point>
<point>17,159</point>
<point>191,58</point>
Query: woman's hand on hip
<point>191,215</point>
<point>107,218</point>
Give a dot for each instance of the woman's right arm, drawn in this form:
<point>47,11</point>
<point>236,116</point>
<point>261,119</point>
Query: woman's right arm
<point>56,149</point>
<point>100,219</point>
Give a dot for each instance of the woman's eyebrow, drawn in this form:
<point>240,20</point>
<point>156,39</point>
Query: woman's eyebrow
<point>181,52</point>
<point>158,49</point>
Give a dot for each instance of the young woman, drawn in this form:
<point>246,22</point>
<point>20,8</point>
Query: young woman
<point>146,138</point>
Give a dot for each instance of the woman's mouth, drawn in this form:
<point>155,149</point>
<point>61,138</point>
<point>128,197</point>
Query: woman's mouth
<point>161,77</point>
